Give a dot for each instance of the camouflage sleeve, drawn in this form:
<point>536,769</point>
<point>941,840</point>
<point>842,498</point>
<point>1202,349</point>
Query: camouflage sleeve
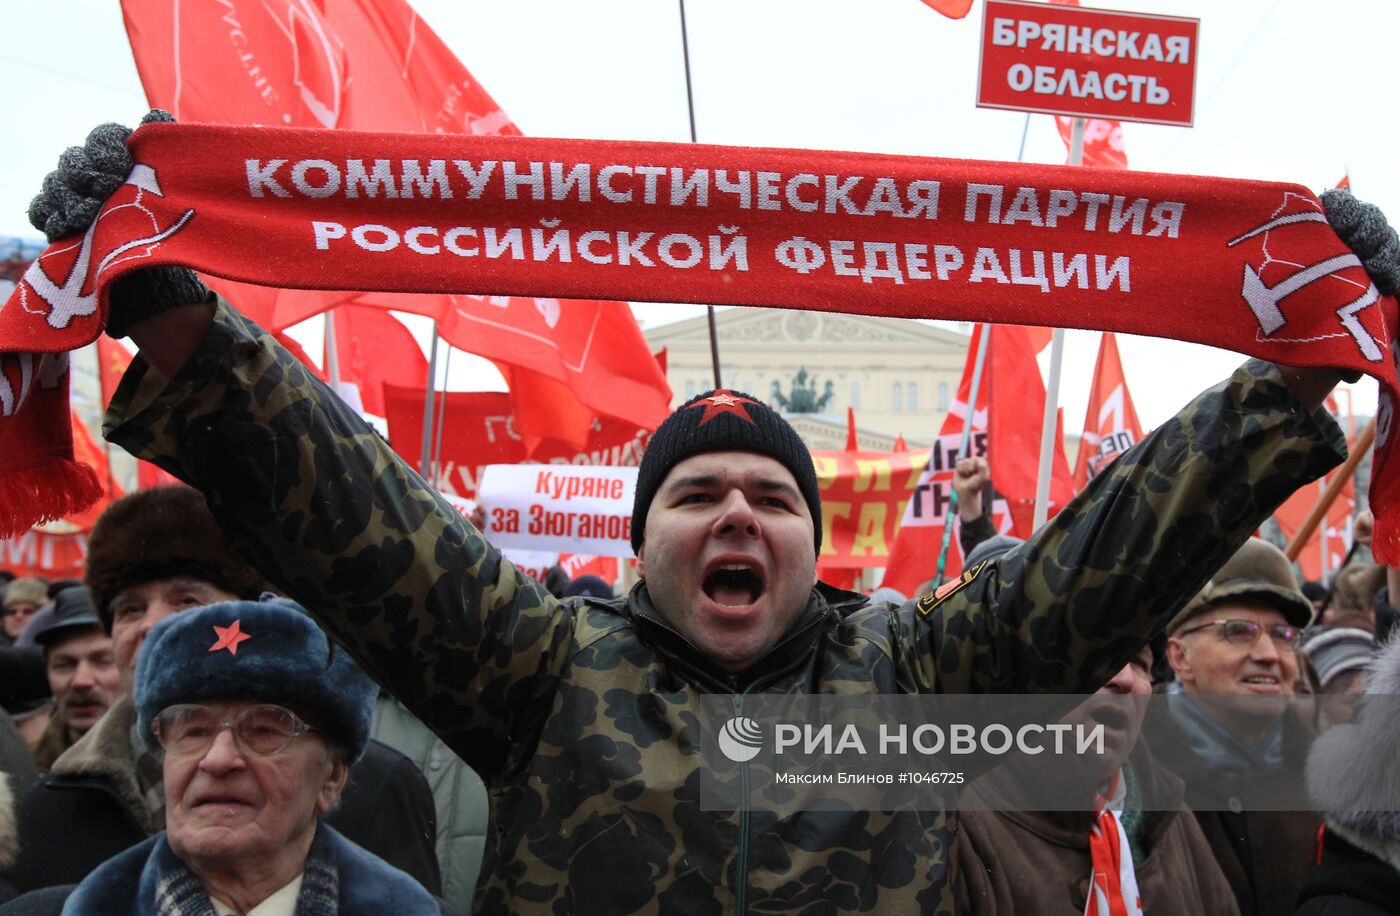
<point>321,505</point>
<point>1064,611</point>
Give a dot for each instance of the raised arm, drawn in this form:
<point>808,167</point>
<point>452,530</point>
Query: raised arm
<point>1062,612</point>
<point>315,498</point>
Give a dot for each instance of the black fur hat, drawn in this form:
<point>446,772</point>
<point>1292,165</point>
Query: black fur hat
<point>158,534</point>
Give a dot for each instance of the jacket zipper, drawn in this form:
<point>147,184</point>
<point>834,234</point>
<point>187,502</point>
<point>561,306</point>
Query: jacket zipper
<point>741,864</point>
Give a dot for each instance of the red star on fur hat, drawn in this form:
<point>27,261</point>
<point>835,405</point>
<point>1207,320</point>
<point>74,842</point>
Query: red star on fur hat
<point>229,638</point>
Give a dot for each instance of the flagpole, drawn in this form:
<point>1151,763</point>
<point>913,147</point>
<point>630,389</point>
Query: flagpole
<point>973,391</point>
<point>441,415</point>
<point>1052,387</point>
<point>1322,539</point>
<point>963,443</point>
<point>426,448</point>
<point>690,105</point>
<point>332,353</point>
<point>1334,489</point>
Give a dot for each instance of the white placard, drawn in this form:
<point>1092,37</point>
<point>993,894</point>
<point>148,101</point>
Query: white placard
<point>563,509</point>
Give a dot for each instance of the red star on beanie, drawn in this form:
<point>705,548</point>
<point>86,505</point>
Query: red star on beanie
<point>722,401</point>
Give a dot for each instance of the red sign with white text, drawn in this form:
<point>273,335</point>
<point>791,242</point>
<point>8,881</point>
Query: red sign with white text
<point>1088,63</point>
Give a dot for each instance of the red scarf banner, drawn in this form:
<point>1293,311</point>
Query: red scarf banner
<point>57,550</point>
<point>1209,260</point>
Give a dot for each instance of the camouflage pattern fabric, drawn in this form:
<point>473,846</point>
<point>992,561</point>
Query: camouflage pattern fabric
<point>579,714</point>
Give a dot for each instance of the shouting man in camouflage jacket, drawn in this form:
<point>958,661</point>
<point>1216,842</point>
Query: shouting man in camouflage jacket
<point>580,714</point>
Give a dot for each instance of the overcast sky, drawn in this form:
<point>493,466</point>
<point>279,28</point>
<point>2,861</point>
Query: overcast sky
<point>1290,90</point>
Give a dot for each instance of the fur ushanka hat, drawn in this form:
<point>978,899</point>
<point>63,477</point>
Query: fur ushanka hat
<point>161,533</point>
<point>268,651</point>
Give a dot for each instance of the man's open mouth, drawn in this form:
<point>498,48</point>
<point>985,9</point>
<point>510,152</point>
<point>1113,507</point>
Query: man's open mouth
<point>1112,715</point>
<point>733,585</point>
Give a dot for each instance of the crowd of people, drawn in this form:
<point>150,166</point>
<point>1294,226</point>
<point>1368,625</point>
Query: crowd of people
<point>304,683</point>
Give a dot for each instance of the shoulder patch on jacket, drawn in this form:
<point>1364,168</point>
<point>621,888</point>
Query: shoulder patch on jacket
<point>927,603</point>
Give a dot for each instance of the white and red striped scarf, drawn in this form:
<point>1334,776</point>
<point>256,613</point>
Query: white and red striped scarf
<point>1113,887</point>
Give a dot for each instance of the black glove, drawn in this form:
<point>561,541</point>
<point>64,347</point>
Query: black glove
<point>1364,228</point>
<point>72,196</point>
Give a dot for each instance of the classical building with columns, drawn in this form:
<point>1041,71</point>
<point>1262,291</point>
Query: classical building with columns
<point>900,375</point>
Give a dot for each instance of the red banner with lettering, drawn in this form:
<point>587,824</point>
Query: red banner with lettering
<point>863,497</point>
<point>1205,259</point>
<point>479,429</point>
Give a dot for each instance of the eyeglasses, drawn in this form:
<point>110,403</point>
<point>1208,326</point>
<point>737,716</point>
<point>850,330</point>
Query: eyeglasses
<point>189,730</point>
<point>18,612</point>
<point>1247,632</point>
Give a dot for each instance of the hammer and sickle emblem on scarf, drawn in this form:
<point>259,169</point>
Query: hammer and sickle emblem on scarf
<point>68,301</point>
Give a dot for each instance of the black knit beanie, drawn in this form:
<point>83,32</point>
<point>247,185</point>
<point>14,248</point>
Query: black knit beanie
<point>723,421</point>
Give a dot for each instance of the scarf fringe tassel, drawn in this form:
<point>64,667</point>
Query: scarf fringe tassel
<point>45,493</point>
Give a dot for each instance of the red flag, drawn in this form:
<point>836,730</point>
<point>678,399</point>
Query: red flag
<point>112,360</point>
<point>1111,424</point>
<point>899,444</point>
<point>148,475</point>
<point>1325,552</point>
<point>852,440</point>
<point>86,450</point>
<point>914,553</point>
<point>568,420</point>
<point>1040,337</point>
<point>1016,398</point>
<point>838,576</point>
<point>1103,142</point>
<point>953,9</point>
<point>1005,431</point>
<point>479,429</point>
<point>375,65</point>
<point>376,349</point>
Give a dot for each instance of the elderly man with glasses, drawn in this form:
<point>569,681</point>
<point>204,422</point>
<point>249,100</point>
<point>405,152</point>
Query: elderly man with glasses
<point>1232,735</point>
<point>256,720</point>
